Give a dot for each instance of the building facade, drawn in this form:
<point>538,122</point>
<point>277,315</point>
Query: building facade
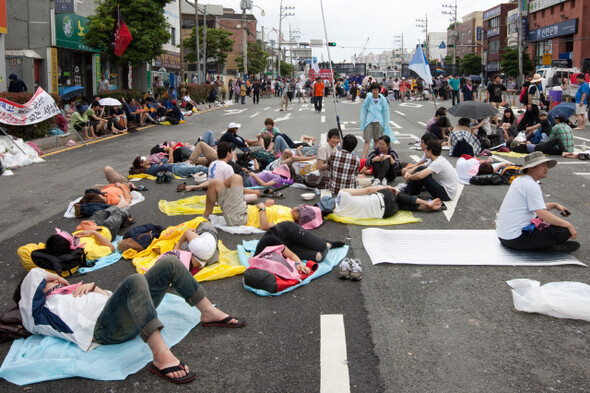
<point>437,45</point>
<point>495,30</point>
<point>468,35</point>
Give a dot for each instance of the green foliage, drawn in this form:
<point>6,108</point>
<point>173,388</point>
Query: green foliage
<point>198,93</point>
<point>146,22</point>
<point>509,62</point>
<point>287,69</point>
<point>449,59</point>
<point>256,59</point>
<point>128,94</point>
<point>218,45</point>
<point>470,64</point>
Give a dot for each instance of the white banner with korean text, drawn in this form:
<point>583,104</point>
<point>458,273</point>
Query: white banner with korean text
<point>40,107</point>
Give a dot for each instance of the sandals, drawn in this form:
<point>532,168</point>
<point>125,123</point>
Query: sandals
<point>181,187</point>
<point>276,195</point>
<point>583,156</point>
<point>225,322</point>
<point>141,188</point>
<point>188,377</point>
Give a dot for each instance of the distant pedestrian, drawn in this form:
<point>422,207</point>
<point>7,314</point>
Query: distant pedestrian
<point>467,91</point>
<point>16,85</point>
<point>374,117</point>
<point>454,84</point>
<point>582,101</point>
<point>103,84</point>
<point>318,94</point>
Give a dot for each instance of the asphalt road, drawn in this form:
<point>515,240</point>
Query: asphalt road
<point>408,328</point>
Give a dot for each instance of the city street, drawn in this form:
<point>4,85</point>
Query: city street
<point>408,328</point>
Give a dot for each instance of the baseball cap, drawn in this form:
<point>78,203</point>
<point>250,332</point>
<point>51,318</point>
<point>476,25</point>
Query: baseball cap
<point>234,125</point>
<point>173,102</point>
<point>203,247</point>
<point>542,113</point>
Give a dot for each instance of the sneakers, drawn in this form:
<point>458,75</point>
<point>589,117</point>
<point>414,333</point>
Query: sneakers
<point>356,270</point>
<point>400,187</point>
<point>345,268</point>
<point>376,182</point>
<point>569,246</point>
<point>350,268</point>
<point>384,181</point>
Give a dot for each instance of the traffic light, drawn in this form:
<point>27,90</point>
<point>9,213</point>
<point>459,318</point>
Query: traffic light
<point>331,44</point>
<point>453,46</point>
<point>423,45</point>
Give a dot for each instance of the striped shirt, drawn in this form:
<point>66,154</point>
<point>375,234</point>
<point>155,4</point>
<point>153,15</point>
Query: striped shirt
<point>343,167</point>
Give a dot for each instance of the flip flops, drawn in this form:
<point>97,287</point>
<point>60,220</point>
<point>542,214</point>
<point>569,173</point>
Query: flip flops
<point>181,187</point>
<point>225,322</point>
<point>188,377</point>
<point>583,156</point>
<point>141,188</point>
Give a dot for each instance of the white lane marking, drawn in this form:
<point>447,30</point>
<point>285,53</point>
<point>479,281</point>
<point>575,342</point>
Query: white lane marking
<point>424,124</point>
<point>333,360</point>
<point>396,142</point>
<point>395,125</point>
<point>582,173</point>
<point>573,163</point>
<point>300,109</point>
<point>415,158</point>
<point>323,110</point>
<point>399,113</point>
<point>233,111</point>
<point>410,105</point>
<point>343,125</point>
<point>323,119</point>
<point>323,138</point>
<point>582,139</point>
<point>286,117</point>
<point>452,204</point>
<point>304,105</point>
<point>256,114</point>
<point>267,108</point>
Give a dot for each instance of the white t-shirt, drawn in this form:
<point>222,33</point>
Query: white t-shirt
<point>358,206</point>
<point>219,170</point>
<point>445,175</point>
<point>324,152</point>
<point>523,199</point>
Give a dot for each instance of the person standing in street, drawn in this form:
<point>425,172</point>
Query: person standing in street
<point>318,94</point>
<point>103,84</point>
<point>256,92</point>
<point>581,101</point>
<point>374,118</point>
<point>494,94</point>
<point>454,84</point>
<point>16,85</point>
<point>467,91</point>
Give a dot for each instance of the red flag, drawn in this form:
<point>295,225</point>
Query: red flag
<point>121,35</point>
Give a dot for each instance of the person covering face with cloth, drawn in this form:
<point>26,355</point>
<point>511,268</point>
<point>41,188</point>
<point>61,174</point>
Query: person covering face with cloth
<point>374,118</point>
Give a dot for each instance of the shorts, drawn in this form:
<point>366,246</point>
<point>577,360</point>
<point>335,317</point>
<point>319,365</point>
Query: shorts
<point>581,109</point>
<point>373,131</point>
<point>114,177</point>
<point>496,104</point>
<point>232,203</point>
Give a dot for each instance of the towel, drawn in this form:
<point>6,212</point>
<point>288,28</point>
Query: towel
<point>510,154</point>
<point>332,259</point>
<point>136,197</point>
<point>220,223</point>
<point>42,358</point>
<point>401,217</point>
<point>191,205</point>
<point>106,260</point>
<point>148,177</point>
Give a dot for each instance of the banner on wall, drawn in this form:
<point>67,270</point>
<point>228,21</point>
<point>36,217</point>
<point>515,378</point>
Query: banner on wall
<point>40,107</point>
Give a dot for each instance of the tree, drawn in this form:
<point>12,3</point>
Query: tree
<point>218,45</point>
<point>145,21</point>
<point>256,59</point>
<point>470,64</point>
<point>509,62</point>
<point>286,68</point>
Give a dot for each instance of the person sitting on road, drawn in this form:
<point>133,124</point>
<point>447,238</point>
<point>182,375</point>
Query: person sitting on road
<point>135,114</point>
<point>383,161</point>
<point>560,140</point>
<point>439,178</point>
<point>79,121</point>
<point>107,317</point>
<point>379,202</point>
<point>236,141</point>
<point>326,150</point>
<point>343,166</point>
<point>524,221</point>
<point>97,123</point>
<point>462,141</point>
<point>424,161</point>
<point>439,130</point>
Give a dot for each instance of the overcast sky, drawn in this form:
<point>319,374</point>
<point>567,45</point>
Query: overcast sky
<point>350,22</point>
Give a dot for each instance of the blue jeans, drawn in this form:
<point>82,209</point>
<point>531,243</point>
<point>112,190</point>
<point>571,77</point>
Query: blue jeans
<point>131,309</point>
<point>186,170</point>
<point>455,95</point>
<point>280,144</point>
<point>414,187</point>
<point>208,137</point>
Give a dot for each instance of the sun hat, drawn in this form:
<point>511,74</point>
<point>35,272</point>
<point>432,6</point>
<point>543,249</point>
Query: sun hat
<point>282,170</point>
<point>310,217</point>
<point>234,125</point>
<point>536,78</point>
<point>537,158</point>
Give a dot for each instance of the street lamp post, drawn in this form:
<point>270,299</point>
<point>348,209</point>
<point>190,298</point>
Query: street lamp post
<point>452,10</point>
<point>423,23</point>
<point>282,16</point>
<point>400,39</point>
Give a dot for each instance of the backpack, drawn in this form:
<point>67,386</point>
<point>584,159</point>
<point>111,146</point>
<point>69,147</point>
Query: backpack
<point>64,265</point>
<point>315,180</point>
<point>485,180</point>
<point>510,172</point>
<point>263,157</point>
<point>524,97</point>
<point>11,326</point>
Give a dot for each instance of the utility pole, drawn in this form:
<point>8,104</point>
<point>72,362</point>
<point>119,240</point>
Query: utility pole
<point>423,23</point>
<point>520,48</point>
<point>244,6</point>
<point>205,40</point>
<point>452,10</point>
<point>197,39</point>
<point>400,39</point>
<point>282,15</point>
<point>181,44</point>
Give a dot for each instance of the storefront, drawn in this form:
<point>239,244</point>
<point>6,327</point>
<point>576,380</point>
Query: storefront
<point>555,41</point>
<point>77,64</point>
<point>167,68</point>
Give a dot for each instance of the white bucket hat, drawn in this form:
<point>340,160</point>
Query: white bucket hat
<point>234,125</point>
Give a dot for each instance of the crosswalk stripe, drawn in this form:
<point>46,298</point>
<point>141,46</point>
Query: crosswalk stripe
<point>452,204</point>
<point>256,114</point>
<point>399,113</point>
<point>424,124</point>
<point>395,125</point>
<point>323,119</point>
<point>333,361</point>
<point>415,158</point>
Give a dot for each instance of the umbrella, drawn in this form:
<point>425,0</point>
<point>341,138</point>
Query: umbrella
<point>475,78</point>
<point>473,110</point>
<point>71,92</point>
<point>109,102</point>
<point>565,108</point>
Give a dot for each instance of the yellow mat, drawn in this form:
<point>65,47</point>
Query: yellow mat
<point>228,265</point>
<point>401,217</point>
<point>510,154</point>
<point>146,176</point>
<point>191,205</point>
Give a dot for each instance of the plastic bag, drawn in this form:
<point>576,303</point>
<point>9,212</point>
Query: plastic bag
<point>563,299</point>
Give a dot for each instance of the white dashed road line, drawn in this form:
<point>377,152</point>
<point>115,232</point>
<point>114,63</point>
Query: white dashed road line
<point>323,119</point>
<point>333,360</point>
<point>415,158</point>
<point>424,124</point>
<point>452,204</point>
<point>399,113</point>
<point>256,114</point>
<point>286,117</point>
<point>267,108</point>
<point>395,125</point>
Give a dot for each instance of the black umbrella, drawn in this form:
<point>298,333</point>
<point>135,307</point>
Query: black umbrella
<point>71,92</point>
<point>473,110</point>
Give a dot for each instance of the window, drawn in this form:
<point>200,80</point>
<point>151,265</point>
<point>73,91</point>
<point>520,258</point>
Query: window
<point>494,46</point>
<point>495,22</point>
<point>573,4</point>
<point>561,7</point>
<point>173,38</point>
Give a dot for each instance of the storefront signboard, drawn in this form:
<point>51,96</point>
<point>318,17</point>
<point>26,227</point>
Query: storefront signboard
<point>54,71</point>
<point>492,13</point>
<point>97,69</point>
<point>537,5</point>
<point>555,30</point>
<point>70,30</point>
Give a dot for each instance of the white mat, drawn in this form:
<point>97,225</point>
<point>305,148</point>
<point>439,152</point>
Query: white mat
<point>220,223</point>
<point>452,247</point>
<point>71,213</point>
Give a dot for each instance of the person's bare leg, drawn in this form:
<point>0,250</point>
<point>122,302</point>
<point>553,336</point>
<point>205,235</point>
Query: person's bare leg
<point>215,187</point>
<point>249,191</point>
<point>366,147</point>
<point>581,122</point>
<point>163,356</point>
<point>431,205</point>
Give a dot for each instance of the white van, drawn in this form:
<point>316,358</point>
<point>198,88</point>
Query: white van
<point>552,77</point>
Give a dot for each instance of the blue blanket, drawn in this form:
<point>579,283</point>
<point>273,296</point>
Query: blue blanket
<point>332,259</point>
<point>114,257</point>
<point>42,358</point>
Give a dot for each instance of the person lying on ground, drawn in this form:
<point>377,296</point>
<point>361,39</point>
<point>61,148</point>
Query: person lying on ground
<point>525,222</point>
<point>229,194</point>
<point>202,154</point>
<point>424,161</point>
<point>300,241</point>
<point>87,315</point>
<point>379,202</point>
<point>117,192</point>
<point>383,162</point>
<point>201,242</point>
<point>287,158</point>
<point>142,165</point>
<point>439,178</point>
<point>277,177</point>
<point>236,141</point>
<point>473,166</point>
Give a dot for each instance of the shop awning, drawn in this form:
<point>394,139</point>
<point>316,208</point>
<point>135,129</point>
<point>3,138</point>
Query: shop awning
<point>24,53</point>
